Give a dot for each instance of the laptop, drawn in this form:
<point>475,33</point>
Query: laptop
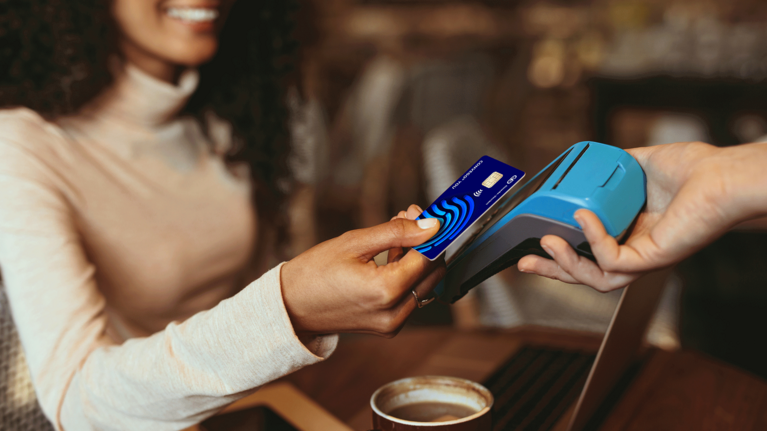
<point>561,386</point>
<point>620,345</point>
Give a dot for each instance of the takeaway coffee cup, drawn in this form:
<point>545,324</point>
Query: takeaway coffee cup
<point>433,403</point>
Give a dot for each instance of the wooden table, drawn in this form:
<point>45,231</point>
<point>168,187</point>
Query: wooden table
<point>672,390</point>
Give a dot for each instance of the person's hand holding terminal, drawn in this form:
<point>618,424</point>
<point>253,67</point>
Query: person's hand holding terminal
<point>695,193</point>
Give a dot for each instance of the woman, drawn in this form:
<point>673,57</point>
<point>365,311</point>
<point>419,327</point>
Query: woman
<point>127,133</point>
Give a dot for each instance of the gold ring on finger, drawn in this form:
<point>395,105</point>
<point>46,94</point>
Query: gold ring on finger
<point>422,302</point>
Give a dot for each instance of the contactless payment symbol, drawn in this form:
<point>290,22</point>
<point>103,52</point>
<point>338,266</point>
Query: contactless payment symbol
<point>468,199</point>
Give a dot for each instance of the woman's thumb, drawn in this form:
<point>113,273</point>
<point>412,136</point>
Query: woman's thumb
<point>396,233</point>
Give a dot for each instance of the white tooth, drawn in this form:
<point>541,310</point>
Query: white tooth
<point>193,14</point>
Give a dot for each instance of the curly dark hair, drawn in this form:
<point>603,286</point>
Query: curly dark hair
<point>54,58</point>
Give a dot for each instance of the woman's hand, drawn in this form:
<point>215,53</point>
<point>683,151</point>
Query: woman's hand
<point>337,287</point>
<point>695,193</point>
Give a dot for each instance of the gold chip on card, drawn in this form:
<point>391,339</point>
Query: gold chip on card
<point>492,179</point>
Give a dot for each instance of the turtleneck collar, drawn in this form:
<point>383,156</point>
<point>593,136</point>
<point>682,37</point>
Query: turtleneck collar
<point>139,98</point>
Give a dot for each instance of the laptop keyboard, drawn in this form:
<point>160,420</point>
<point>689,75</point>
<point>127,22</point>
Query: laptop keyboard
<point>536,386</point>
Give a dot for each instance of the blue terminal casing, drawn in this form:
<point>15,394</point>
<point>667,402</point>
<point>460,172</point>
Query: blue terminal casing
<point>598,177</point>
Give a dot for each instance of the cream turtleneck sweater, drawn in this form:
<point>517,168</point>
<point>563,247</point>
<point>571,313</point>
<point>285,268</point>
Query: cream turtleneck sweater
<point>119,224</point>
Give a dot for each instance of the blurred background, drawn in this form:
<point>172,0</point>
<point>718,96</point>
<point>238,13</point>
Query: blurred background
<point>397,98</point>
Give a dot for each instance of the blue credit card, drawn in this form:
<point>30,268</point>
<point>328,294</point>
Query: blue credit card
<point>468,199</point>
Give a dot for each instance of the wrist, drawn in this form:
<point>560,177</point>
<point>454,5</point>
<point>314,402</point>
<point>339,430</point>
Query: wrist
<point>742,168</point>
<point>290,299</point>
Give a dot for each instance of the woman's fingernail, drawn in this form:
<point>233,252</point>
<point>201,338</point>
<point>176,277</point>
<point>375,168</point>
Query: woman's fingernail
<point>548,250</point>
<point>427,223</point>
<point>525,270</point>
<point>419,208</point>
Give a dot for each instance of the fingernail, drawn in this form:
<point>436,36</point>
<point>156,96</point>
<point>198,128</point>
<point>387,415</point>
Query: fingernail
<point>419,208</point>
<point>579,220</point>
<point>427,223</point>
<point>525,270</point>
<point>548,250</point>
